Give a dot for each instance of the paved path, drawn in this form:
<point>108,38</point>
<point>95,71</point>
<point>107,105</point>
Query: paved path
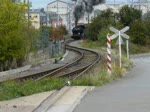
<point>130,94</point>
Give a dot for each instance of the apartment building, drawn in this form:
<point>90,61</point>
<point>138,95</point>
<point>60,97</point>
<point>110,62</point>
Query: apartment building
<point>37,18</point>
<point>64,13</point>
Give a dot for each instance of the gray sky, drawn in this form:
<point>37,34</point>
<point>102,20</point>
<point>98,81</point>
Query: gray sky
<point>43,3</point>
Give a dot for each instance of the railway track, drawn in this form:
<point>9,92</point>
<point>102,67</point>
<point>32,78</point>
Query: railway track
<point>73,70</point>
<point>86,58</point>
<point>40,75</point>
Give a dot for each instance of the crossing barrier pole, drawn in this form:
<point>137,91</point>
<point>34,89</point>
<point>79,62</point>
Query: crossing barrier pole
<point>109,53</point>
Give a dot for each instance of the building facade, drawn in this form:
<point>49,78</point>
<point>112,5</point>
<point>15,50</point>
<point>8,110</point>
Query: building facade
<point>63,12</point>
<point>142,5</point>
<point>37,18</point>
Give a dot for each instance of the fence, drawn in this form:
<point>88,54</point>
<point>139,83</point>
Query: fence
<point>46,47</point>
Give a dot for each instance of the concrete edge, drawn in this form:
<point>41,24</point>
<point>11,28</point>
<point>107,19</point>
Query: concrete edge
<point>50,100</point>
<point>78,100</point>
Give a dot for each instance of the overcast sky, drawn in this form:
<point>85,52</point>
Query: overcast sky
<point>43,3</point>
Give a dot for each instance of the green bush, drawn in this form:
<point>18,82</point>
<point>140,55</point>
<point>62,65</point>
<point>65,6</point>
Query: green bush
<point>128,15</point>
<point>138,33</point>
<point>147,38</point>
<point>101,21</point>
<point>135,49</point>
<point>103,34</point>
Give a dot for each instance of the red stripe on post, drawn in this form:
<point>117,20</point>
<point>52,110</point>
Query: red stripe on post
<point>109,53</point>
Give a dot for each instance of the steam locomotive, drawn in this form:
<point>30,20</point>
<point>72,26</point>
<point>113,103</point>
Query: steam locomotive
<point>78,32</point>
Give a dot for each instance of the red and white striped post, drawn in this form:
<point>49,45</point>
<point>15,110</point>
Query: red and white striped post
<point>108,53</point>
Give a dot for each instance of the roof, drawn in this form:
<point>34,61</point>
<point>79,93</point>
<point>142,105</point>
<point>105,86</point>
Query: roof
<point>58,1</point>
<point>40,13</point>
<point>50,12</point>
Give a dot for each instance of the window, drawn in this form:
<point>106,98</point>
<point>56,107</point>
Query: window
<point>35,16</point>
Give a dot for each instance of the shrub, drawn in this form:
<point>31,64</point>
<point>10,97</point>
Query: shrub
<point>63,29</point>
<point>104,31</point>
<point>58,33</point>
<point>134,49</point>
<point>138,33</point>
<point>101,21</point>
<point>128,15</point>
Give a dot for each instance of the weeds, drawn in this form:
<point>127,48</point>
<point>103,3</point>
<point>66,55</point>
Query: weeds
<point>12,89</point>
<point>99,75</point>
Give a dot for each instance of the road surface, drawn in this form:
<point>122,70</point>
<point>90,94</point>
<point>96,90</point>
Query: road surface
<point>130,94</point>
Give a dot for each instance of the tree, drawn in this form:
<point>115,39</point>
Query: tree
<point>147,37</point>
<point>103,20</point>
<point>128,15</point>
<point>12,44</point>
<point>138,33</point>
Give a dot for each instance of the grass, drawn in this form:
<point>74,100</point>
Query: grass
<point>90,44</point>
<point>96,79</point>
<point>137,49</point>
<point>12,89</point>
<point>98,75</point>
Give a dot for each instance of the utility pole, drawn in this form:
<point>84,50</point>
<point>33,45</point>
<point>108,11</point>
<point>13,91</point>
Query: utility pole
<point>69,17</point>
<point>57,14</point>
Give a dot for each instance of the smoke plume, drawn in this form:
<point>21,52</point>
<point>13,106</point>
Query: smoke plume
<point>83,6</point>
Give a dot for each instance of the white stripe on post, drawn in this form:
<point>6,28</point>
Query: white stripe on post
<point>108,53</point>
